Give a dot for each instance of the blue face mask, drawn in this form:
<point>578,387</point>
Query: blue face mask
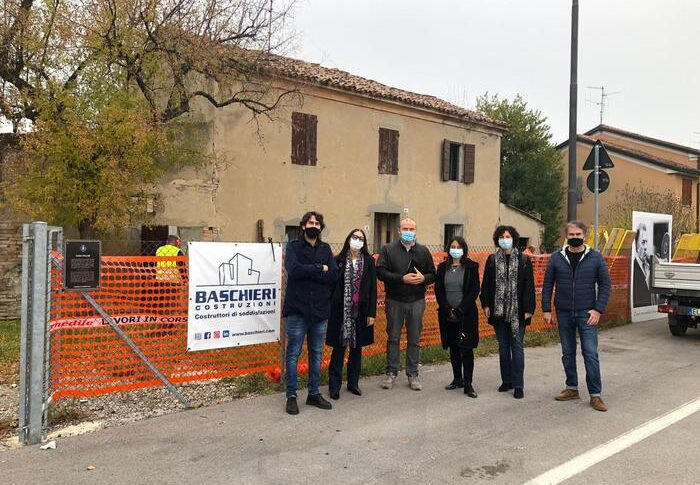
<point>505,244</point>
<point>408,236</point>
<point>456,253</point>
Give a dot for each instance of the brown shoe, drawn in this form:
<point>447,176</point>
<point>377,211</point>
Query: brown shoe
<point>598,404</point>
<point>567,395</point>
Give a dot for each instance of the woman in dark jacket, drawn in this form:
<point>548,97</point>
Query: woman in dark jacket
<point>508,299</point>
<point>456,290</point>
<point>353,308</point>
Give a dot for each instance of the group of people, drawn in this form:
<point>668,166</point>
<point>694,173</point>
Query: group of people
<point>333,299</point>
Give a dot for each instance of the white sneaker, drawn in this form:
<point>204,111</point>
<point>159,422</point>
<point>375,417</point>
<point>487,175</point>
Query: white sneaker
<point>414,383</point>
<point>389,381</point>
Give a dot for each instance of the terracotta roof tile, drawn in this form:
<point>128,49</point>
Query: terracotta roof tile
<point>644,138</point>
<point>647,157</point>
<point>335,78</point>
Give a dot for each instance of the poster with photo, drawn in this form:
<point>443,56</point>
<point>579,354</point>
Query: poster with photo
<point>652,238</point>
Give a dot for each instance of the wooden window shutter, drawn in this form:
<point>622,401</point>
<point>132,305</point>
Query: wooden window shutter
<point>388,151</point>
<point>446,160</point>
<point>687,193</point>
<point>469,159</point>
<point>304,139</point>
<point>311,127</point>
<point>298,139</point>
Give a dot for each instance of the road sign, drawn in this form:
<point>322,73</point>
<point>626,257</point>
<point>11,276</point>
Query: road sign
<point>603,181</point>
<point>604,159</point>
<point>82,265</point>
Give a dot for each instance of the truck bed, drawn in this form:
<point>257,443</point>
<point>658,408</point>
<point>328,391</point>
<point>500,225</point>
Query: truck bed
<point>675,278</point>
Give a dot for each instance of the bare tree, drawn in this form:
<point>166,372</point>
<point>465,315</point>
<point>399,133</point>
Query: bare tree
<point>171,51</point>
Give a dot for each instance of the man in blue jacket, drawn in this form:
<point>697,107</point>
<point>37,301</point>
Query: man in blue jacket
<point>311,276</point>
<point>582,283</point>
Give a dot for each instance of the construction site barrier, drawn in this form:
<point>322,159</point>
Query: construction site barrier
<point>87,358</point>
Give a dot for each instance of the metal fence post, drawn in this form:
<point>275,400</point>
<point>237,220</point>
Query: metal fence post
<point>33,334</point>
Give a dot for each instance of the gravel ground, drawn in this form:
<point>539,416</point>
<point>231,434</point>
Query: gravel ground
<point>120,408</point>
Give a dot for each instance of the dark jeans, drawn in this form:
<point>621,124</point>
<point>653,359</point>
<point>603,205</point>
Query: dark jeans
<point>399,313</point>
<point>462,365</point>
<point>296,328</point>
<point>335,369</point>
<point>511,355</point>
<point>568,323</point>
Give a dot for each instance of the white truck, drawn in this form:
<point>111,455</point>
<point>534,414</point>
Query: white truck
<point>678,287</point>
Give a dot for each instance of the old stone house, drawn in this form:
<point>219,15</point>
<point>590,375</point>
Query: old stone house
<point>362,153</point>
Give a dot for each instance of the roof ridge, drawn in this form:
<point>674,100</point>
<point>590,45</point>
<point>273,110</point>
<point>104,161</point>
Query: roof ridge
<point>335,77</point>
<point>644,138</point>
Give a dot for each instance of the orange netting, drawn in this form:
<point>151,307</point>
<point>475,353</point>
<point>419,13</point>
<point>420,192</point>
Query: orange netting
<point>88,358</point>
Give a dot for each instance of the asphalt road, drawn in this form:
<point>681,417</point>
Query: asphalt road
<point>432,436</point>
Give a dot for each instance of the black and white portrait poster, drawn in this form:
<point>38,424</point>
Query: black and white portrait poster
<point>652,238</point>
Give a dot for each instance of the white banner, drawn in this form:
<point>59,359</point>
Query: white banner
<point>234,294</point>
<point>653,238</point>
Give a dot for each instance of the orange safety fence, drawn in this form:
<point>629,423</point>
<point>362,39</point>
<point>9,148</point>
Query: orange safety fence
<point>88,358</point>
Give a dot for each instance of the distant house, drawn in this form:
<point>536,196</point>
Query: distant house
<point>529,225</point>
<point>364,154</point>
<point>639,160</point>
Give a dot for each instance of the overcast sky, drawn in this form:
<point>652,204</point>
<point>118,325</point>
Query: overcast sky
<point>648,51</point>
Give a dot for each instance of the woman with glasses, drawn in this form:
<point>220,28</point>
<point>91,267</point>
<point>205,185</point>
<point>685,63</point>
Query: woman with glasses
<point>353,309</point>
<point>456,290</point>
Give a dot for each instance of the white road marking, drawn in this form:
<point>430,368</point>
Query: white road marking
<point>606,450</point>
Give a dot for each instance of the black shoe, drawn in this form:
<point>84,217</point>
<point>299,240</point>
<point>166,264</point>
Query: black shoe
<point>335,395</point>
<point>454,385</point>
<point>518,393</point>
<point>292,407</point>
<point>505,387</point>
<point>469,391</point>
<point>355,390</point>
<point>318,401</point>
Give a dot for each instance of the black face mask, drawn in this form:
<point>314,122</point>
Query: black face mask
<point>575,242</point>
<point>312,232</point>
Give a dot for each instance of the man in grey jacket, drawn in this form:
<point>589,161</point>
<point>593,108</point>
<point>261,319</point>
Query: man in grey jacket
<point>406,268</point>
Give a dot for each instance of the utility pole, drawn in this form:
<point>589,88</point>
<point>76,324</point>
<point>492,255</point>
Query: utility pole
<point>603,97</point>
<point>573,88</point>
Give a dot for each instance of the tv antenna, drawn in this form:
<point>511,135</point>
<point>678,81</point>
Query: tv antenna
<point>603,99</point>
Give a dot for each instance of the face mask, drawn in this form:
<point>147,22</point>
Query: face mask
<point>505,244</point>
<point>356,244</point>
<point>456,253</point>
<point>575,242</point>
<point>408,236</point>
<point>312,232</point>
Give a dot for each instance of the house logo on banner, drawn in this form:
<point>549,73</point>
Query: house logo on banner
<point>234,294</point>
<point>230,273</point>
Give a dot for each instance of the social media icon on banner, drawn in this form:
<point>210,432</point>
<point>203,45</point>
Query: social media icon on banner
<point>217,334</point>
<point>198,336</point>
<point>226,333</point>
<point>207,335</point>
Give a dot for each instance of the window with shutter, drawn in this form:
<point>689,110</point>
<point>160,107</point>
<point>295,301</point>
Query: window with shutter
<point>687,193</point>
<point>388,151</point>
<point>304,128</point>
<point>457,162</point>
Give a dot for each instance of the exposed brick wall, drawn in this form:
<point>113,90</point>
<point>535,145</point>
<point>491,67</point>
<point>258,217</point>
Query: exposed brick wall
<point>10,270</point>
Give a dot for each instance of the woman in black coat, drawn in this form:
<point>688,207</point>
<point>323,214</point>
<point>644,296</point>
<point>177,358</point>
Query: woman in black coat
<point>353,309</point>
<point>508,299</point>
<point>456,290</point>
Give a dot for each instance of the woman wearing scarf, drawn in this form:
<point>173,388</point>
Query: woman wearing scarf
<point>508,299</point>
<point>353,308</point>
<point>456,290</point>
